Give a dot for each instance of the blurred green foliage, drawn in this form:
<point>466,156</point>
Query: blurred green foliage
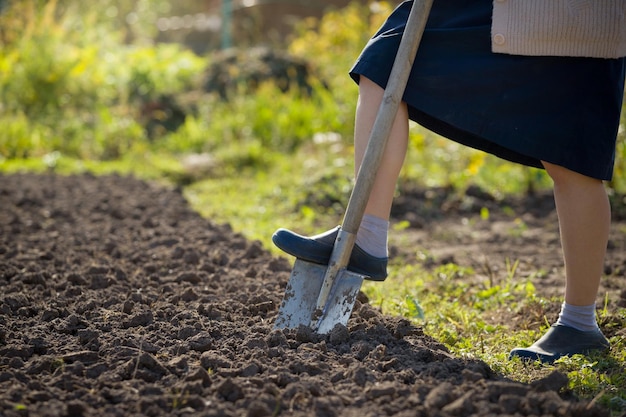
<point>78,88</point>
<point>88,81</point>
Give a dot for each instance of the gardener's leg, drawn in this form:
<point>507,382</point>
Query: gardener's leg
<point>370,254</point>
<point>370,97</point>
<point>584,221</point>
<point>372,235</point>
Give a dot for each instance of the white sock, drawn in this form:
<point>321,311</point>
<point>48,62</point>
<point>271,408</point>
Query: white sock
<point>579,317</point>
<point>372,236</point>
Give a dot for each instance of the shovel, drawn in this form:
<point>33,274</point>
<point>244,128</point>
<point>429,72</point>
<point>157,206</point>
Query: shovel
<point>319,296</point>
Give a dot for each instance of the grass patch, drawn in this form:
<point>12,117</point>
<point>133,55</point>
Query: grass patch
<point>299,191</point>
<point>163,168</point>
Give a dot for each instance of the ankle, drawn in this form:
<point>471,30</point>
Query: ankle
<point>372,236</point>
<point>581,318</point>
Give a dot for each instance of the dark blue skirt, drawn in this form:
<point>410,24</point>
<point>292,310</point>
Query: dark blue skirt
<point>525,109</point>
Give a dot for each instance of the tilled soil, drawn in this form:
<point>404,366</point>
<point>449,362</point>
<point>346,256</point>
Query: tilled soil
<point>117,299</point>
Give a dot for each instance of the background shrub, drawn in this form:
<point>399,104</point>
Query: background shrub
<point>76,80</point>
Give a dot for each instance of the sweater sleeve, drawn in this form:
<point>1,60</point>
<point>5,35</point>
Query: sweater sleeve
<point>585,28</point>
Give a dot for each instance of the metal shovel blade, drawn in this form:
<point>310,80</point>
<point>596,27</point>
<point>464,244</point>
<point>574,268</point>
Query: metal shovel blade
<point>299,303</point>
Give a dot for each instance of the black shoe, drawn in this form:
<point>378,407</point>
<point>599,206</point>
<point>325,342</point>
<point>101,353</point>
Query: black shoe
<point>561,341</point>
<point>317,249</point>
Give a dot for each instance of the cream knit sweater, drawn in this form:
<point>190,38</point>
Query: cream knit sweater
<point>587,28</point>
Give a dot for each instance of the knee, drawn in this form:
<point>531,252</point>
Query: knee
<point>562,176</point>
<point>368,87</point>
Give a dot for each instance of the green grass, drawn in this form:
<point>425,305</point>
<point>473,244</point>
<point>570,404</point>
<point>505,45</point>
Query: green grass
<point>163,168</point>
<point>471,320</point>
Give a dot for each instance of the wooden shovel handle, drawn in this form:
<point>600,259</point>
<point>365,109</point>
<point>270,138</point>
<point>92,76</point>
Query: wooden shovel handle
<point>376,146</point>
<point>386,114</point>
